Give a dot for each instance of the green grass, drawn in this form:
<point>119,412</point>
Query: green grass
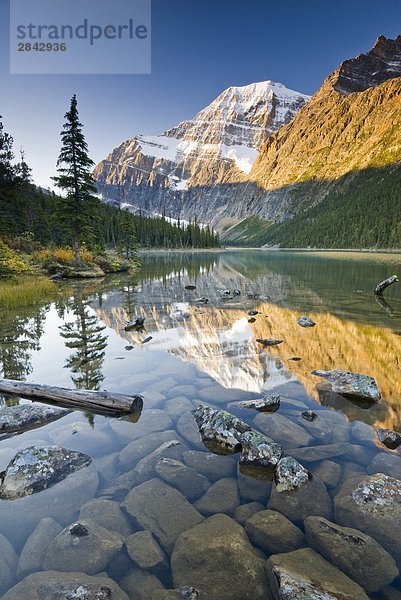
<point>17,293</point>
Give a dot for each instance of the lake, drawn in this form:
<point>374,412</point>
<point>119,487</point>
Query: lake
<point>154,474</point>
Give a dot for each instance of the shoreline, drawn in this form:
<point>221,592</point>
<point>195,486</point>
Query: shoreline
<point>262,249</point>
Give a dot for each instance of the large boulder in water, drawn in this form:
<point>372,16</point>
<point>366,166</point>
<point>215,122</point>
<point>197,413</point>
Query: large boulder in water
<point>373,506</point>
<point>358,555</point>
<point>216,558</point>
<point>39,467</point>
<point>351,385</point>
<point>162,510</point>
<point>84,545</point>
<point>53,584</point>
<point>304,575</point>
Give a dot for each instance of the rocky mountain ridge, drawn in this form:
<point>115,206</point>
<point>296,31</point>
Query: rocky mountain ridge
<point>218,146</point>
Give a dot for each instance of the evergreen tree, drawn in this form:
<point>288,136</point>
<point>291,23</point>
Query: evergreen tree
<point>6,156</point>
<point>79,209</point>
<point>128,235</point>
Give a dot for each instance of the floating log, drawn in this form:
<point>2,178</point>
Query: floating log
<point>379,289</point>
<point>99,402</point>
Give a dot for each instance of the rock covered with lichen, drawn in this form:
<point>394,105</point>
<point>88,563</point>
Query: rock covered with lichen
<point>290,475</point>
<point>259,451</point>
<point>39,467</point>
<point>373,506</point>
<point>352,385</point>
<point>390,439</point>
<point>77,586</point>
<point>220,427</point>
<point>268,403</point>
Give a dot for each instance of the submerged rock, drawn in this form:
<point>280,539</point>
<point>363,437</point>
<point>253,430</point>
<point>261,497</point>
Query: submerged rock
<point>8,564</point>
<point>85,545</point>
<point>190,483</point>
<point>65,586</point>
<point>328,471</point>
<point>217,559</point>
<point>246,511</point>
<point>33,553</point>
<point>25,416</point>
<point>304,575</point>
<point>221,497</point>
<point>283,430</point>
<point>108,514</point>
<point>39,467</point>
<point>358,555</point>
<point>290,475</point>
<point>273,532</point>
<point>322,452</point>
<point>305,322</point>
<point>212,466</point>
<point>141,585</point>
<point>145,551</point>
<point>220,427</point>
<point>351,385</point>
<point>161,509</point>
<point>259,451</point>
<point>266,342</point>
<point>310,499</point>
<point>391,439</point>
<point>373,506</point>
<point>266,404</point>
<point>387,463</point>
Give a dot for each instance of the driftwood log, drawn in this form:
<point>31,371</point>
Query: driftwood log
<point>99,402</point>
<point>379,289</point>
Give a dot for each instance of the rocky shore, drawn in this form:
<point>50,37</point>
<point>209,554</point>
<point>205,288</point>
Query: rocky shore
<point>202,498</point>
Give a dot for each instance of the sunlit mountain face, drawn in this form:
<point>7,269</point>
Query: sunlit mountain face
<point>219,339</point>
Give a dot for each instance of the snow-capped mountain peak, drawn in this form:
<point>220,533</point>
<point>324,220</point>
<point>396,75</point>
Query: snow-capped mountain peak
<point>220,144</point>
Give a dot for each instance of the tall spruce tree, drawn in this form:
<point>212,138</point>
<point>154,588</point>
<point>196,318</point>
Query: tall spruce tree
<point>79,208</point>
<point>128,243</point>
<point>6,156</point>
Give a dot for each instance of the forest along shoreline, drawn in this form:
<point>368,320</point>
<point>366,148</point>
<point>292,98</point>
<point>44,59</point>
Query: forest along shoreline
<point>74,233</point>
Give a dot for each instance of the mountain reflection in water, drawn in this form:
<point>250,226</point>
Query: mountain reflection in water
<point>220,341</point>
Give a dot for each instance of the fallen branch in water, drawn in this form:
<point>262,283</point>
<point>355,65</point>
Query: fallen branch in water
<point>379,289</point>
<point>101,402</point>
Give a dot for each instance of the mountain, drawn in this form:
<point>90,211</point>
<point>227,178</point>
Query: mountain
<point>331,177</point>
<point>177,171</point>
<point>268,166</point>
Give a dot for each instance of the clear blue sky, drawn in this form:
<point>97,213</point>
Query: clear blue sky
<point>199,48</point>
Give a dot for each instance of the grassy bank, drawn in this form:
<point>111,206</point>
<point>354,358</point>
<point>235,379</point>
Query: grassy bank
<point>26,291</point>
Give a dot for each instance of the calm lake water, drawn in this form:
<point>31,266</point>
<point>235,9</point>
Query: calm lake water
<point>206,353</point>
